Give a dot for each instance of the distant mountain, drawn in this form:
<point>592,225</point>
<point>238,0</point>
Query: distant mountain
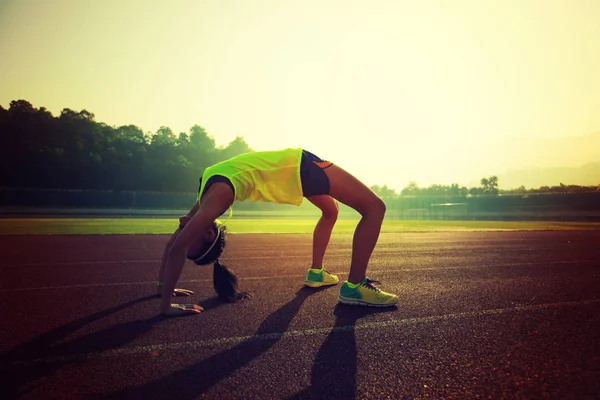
<point>527,152</point>
<point>516,161</point>
<point>585,175</point>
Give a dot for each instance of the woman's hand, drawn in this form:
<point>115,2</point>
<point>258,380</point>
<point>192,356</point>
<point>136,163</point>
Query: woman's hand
<point>182,292</point>
<point>176,292</point>
<point>183,220</point>
<point>183,309</point>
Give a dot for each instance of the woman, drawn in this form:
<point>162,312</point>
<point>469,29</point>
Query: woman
<point>285,177</point>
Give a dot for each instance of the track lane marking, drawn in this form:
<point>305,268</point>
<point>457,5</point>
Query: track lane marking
<point>253,278</point>
<point>195,345</point>
<point>233,259</point>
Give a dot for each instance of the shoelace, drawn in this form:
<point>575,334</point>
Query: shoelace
<point>369,285</point>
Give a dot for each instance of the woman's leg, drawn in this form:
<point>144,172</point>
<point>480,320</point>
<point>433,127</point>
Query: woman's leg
<point>322,232</point>
<point>347,189</point>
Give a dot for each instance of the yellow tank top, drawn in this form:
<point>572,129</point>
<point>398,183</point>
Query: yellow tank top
<point>270,176</point>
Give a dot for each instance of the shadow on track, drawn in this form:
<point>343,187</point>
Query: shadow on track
<point>210,304</point>
<point>39,357</point>
<point>191,382</point>
<point>333,374</point>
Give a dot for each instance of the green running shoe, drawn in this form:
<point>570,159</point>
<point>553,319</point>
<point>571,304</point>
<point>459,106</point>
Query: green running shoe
<point>366,295</point>
<point>319,277</point>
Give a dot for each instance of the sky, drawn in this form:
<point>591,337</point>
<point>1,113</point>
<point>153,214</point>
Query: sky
<point>393,91</point>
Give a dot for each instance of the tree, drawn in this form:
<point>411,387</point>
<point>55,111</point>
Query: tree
<point>490,185</point>
<point>164,136</point>
<point>183,140</point>
<point>126,156</point>
<point>235,147</point>
<point>26,146</point>
<point>201,149</point>
<point>384,192</point>
<point>200,139</point>
<point>485,183</point>
<point>20,107</point>
<point>163,165</point>
<point>412,189</point>
<point>84,142</point>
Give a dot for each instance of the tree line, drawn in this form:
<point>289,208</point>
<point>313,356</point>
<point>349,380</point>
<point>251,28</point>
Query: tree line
<point>73,151</point>
<point>488,187</point>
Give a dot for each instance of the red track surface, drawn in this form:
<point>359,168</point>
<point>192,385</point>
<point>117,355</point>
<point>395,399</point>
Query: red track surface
<point>497,314</point>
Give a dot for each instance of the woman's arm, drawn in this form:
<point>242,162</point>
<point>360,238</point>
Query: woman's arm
<point>215,202</point>
<point>183,220</point>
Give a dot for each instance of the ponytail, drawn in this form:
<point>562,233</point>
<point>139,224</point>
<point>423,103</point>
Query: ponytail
<point>224,280</point>
<point>226,284</point>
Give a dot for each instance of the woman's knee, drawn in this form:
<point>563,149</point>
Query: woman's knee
<point>380,207</point>
<point>374,207</point>
<point>328,206</point>
<point>332,212</point>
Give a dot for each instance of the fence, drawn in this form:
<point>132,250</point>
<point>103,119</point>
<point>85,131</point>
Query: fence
<point>580,206</point>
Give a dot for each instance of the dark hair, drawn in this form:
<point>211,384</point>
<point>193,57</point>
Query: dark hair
<point>210,255</point>
<point>225,281</point>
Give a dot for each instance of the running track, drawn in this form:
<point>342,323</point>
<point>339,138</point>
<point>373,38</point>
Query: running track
<point>481,315</point>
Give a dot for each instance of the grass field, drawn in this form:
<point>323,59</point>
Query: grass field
<point>81,226</point>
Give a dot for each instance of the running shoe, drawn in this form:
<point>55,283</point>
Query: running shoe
<point>319,277</point>
<point>366,295</point>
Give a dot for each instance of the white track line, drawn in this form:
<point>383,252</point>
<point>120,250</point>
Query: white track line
<point>254,278</point>
<point>72,263</point>
<point>195,345</point>
<point>157,261</point>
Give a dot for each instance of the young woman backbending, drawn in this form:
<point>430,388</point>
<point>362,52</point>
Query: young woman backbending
<point>286,177</point>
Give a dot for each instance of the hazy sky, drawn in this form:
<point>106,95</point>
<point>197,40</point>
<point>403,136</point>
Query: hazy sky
<point>431,91</point>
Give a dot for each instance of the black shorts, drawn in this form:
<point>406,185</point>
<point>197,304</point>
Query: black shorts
<point>312,174</point>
